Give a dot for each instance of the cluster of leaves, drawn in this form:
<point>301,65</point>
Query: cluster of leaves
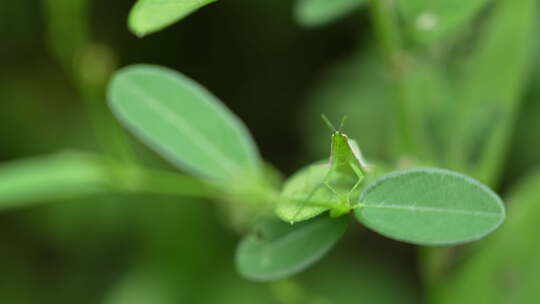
<point>422,206</point>
<point>193,130</point>
<point>299,220</point>
<point>464,86</point>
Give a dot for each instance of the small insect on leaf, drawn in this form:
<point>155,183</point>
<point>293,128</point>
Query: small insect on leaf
<point>325,186</point>
<point>277,249</point>
<point>430,207</point>
<point>345,154</point>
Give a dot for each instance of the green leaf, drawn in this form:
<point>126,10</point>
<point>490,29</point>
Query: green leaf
<point>304,195</point>
<point>49,178</point>
<point>503,268</point>
<point>149,16</point>
<point>320,12</point>
<point>276,249</point>
<point>430,207</point>
<point>183,122</point>
<point>431,20</point>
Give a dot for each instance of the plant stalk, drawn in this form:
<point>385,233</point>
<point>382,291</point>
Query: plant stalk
<point>389,37</point>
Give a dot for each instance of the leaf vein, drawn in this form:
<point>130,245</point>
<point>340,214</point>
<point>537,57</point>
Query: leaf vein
<point>180,124</point>
<point>431,209</point>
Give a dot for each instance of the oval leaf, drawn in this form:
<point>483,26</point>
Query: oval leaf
<point>148,16</point>
<point>320,12</point>
<point>183,122</point>
<point>277,249</point>
<point>49,178</point>
<point>430,207</point>
<point>303,192</point>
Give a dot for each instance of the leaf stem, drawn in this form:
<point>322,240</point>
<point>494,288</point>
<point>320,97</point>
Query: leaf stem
<point>136,179</point>
<point>389,37</point>
<point>89,66</point>
<point>92,70</point>
<point>386,28</point>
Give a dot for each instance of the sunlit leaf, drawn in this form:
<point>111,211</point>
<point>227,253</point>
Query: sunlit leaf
<point>277,249</point>
<point>183,122</point>
<point>431,207</point>
<point>148,16</point>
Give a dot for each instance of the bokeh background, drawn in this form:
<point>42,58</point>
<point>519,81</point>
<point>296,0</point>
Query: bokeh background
<point>277,76</point>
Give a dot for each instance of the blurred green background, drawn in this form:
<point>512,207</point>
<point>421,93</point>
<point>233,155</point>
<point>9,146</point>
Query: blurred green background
<point>278,77</point>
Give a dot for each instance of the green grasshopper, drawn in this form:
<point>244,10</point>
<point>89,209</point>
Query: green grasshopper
<point>327,186</point>
<point>346,161</point>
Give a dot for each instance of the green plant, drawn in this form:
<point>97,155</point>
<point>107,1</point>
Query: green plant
<point>448,110</point>
<point>193,130</point>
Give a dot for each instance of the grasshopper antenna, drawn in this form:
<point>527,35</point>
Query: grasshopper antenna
<point>328,123</point>
<point>342,123</point>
